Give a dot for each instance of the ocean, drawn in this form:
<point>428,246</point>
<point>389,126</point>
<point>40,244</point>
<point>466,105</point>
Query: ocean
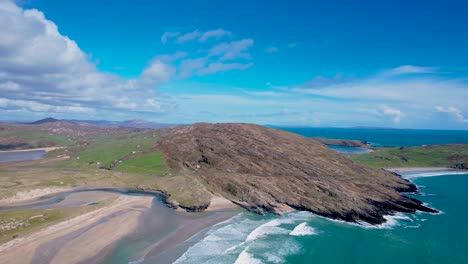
<point>302,237</point>
<point>386,137</point>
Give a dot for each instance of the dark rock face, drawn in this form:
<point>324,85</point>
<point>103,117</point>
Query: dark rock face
<point>263,169</point>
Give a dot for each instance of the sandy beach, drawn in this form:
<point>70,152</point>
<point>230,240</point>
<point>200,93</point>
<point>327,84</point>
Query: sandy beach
<point>47,149</point>
<point>90,237</point>
<point>31,195</point>
<point>421,169</point>
<point>220,203</point>
<point>89,233</point>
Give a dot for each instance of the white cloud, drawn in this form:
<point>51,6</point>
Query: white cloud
<point>409,69</point>
<point>271,49</point>
<point>222,67</point>
<point>233,50</point>
<point>198,35</point>
<point>168,35</point>
<point>216,34</point>
<point>457,113</point>
<point>395,114</point>
<point>190,67</point>
<point>43,70</point>
<point>188,37</point>
<point>425,90</point>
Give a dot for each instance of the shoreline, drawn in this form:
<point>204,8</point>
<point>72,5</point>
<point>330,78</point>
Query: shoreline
<point>46,149</point>
<point>96,229</point>
<point>422,169</point>
<point>25,248</point>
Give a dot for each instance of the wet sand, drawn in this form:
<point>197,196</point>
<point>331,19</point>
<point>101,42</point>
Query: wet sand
<point>99,236</point>
<point>79,238</point>
<point>422,169</point>
<point>47,149</point>
<point>31,195</point>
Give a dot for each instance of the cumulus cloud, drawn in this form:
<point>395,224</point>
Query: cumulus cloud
<point>457,113</point>
<point>42,70</point>
<point>395,114</point>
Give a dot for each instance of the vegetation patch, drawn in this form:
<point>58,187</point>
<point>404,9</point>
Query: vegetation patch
<point>451,156</point>
<point>19,223</point>
<point>147,163</point>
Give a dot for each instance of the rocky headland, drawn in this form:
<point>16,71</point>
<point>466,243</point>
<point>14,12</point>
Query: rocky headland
<point>268,170</point>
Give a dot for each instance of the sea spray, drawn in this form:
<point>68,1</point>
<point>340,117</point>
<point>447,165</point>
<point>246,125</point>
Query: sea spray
<point>303,230</point>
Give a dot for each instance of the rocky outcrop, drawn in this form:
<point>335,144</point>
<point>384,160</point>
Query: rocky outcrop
<point>344,142</point>
<point>264,169</point>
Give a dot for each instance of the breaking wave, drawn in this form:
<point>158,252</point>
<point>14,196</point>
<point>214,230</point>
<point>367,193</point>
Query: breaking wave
<point>303,230</point>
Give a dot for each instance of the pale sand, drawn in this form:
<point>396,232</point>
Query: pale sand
<point>219,203</point>
<point>47,149</point>
<point>32,194</point>
<point>89,243</point>
<point>97,238</point>
<point>421,169</point>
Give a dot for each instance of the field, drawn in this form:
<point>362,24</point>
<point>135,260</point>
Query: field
<point>452,156</point>
<point>96,157</point>
<point>19,137</point>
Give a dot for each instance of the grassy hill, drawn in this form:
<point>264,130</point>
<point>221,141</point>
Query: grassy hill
<point>451,156</point>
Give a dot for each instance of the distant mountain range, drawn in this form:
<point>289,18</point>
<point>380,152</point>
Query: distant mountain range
<point>134,123</point>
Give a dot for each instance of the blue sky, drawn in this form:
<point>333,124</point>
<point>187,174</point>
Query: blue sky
<point>307,63</point>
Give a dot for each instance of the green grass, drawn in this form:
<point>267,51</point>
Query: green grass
<point>110,149</point>
<point>28,221</point>
<point>149,163</point>
<point>36,138</point>
<point>425,156</point>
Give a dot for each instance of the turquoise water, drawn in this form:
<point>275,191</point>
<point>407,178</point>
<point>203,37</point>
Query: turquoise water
<point>301,237</point>
<point>349,150</point>
<point>387,137</point>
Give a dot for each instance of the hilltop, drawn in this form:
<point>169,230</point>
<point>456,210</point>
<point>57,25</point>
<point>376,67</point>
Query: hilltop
<point>268,170</point>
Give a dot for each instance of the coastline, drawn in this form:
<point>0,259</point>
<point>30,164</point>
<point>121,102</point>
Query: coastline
<point>423,169</point>
<point>95,236</point>
<point>25,248</point>
<point>32,195</point>
<point>46,149</point>
<point>96,230</point>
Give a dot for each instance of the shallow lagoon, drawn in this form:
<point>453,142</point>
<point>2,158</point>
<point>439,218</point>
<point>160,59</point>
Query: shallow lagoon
<point>10,156</point>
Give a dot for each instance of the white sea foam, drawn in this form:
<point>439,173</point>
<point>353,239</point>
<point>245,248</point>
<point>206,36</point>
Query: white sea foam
<point>303,230</point>
<point>415,175</point>
<point>270,228</point>
<point>138,261</point>
<point>391,221</point>
<point>228,242</point>
<point>222,243</point>
<point>247,258</point>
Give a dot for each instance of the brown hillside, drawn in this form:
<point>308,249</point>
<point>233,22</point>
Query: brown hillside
<point>264,169</point>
